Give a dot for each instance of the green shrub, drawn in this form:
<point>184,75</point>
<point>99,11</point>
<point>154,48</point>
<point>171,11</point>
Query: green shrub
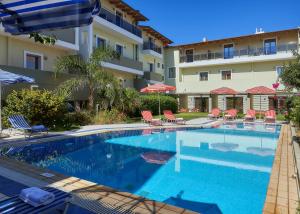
<point>111,116</point>
<point>37,106</point>
<point>151,102</point>
<point>294,111</point>
<point>72,119</point>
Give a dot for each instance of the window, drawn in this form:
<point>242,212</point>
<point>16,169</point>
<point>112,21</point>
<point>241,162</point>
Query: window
<point>136,52</point>
<point>150,67</point>
<point>270,46</point>
<point>119,49</point>
<point>228,51</point>
<point>203,76</point>
<point>226,75</point>
<point>162,66</point>
<point>158,65</point>
<point>33,61</point>
<point>172,73</point>
<point>279,70</point>
<point>100,42</point>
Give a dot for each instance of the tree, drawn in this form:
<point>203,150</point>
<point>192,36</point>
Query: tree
<point>90,73</point>
<point>290,76</point>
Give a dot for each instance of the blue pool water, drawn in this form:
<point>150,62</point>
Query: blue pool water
<point>219,170</point>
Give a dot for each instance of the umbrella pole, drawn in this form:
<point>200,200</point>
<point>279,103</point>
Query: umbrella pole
<point>0,109</point>
<point>159,106</point>
<point>259,106</point>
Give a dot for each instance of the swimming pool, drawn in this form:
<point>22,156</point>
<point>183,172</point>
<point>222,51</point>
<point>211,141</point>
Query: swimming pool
<point>213,170</point>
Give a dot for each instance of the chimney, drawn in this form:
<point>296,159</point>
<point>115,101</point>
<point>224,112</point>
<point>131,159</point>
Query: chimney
<point>259,30</point>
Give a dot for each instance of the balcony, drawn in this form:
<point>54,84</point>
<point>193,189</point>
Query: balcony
<point>125,64</point>
<point>151,49</point>
<point>152,76</point>
<point>283,51</point>
<point>117,25</point>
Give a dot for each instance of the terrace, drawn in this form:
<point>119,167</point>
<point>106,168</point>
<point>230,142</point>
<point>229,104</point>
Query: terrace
<point>250,53</point>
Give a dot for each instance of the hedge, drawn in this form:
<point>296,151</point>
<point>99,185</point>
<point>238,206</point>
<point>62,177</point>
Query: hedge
<point>150,102</point>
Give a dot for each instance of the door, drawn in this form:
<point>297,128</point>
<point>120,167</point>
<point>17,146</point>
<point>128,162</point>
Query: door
<point>119,18</point>
<point>189,55</point>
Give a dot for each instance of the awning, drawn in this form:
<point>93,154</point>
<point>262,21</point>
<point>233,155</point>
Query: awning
<point>29,16</point>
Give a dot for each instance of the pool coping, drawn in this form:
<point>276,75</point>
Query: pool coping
<point>107,195</point>
<point>283,189</point>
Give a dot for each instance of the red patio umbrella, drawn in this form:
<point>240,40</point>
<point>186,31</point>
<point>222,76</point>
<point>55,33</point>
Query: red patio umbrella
<point>224,91</point>
<point>158,88</point>
<point>260,90</point>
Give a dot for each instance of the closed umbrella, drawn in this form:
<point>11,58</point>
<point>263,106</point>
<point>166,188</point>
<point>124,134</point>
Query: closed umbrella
<point>7,78</point>
<point>260,90</point>
<point>158,88</point>
<point>29,16</point>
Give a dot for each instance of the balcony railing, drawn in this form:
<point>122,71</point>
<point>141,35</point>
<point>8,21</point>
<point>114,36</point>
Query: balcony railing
<point>152,46</point>
<point>109,16</point>
<point>249,52</point>
<point>127,62</point>
<point>153,76</point>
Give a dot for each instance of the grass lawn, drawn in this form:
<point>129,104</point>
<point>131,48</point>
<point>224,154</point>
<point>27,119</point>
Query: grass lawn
<point>194,115</point>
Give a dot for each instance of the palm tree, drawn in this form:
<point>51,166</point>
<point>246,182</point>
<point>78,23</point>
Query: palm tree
<point>90,73</point>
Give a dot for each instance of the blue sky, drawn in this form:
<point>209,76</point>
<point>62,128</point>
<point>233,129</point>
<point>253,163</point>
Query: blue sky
<point>195,19</point>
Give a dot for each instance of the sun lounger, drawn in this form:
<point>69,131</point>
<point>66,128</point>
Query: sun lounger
<point>230,114</point>
<point>270,116</point>
<point>18,122</point>
<point>17,206</point>
<point>250,116</point>
<point>215,113</point>
<point>148,118</point>
<point>170,117</point>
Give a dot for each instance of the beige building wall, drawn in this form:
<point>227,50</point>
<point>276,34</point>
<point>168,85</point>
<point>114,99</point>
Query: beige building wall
<point>12,52</point>
<point>243,77</point>
<point>112,40</point>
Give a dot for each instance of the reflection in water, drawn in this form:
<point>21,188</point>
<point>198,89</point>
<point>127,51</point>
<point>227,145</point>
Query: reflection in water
<point>224,147</point>
<point>261,151</point>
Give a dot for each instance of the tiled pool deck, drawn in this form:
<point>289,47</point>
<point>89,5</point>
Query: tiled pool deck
<point>282,195</point>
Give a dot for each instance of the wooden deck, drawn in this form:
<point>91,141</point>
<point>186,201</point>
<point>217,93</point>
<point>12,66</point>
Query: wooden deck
<point>283,191</point>
<point>92,196</point>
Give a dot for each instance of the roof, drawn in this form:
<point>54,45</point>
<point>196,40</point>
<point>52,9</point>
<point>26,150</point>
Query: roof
<point>138,16</point>
<point>232,39</point>
<point>224,90</point>
<point>260,90</point>
<point>156,34</point>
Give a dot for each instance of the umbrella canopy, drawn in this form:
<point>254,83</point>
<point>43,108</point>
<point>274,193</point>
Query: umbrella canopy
<point>7,78</point>
<point>28,16</point>
<point>158,88</point>
<point>260,90</point>
<point>224,90</point>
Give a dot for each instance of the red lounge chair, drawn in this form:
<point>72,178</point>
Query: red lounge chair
<point>230,114</point>
<point>170,117</point>
<point>148,118</point>
<point>251,115</point>
<point>215,113</point>
<point>270,116</point>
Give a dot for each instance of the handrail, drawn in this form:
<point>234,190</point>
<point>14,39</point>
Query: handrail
<point>152,46</point>
<point>109,16</point>
<point>254,51</point>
